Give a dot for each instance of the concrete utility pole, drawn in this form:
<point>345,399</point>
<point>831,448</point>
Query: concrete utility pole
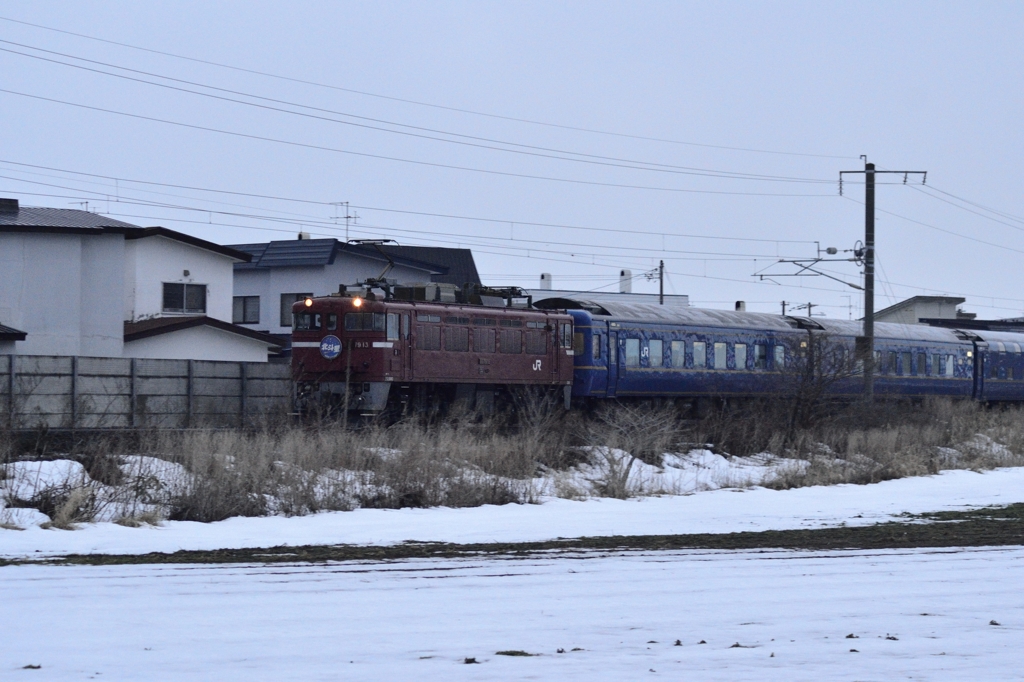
<point>661,282</point>
<point>866,343</point>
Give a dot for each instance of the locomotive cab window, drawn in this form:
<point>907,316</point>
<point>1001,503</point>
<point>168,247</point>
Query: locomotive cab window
<point>657,353</point>
<point>306,321</point>
<point>332,322</point>
<point>567,335</point>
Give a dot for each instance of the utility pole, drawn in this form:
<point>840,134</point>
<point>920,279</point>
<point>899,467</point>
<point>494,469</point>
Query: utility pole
<point>783,308</point>
<point>661,282</point>
<point>866,343</point>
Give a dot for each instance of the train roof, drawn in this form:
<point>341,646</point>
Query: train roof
<point>673,314</point>
<point>890,330</point>
<point>985,335</point>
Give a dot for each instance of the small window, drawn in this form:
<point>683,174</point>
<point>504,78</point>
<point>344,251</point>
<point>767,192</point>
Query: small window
<point>405,326</point>
<point>535,325</point>
<point>184,298</point>
<point>922,364</point>
<point>596,345</point>
<point>511,323</point>
<point>780,356</point>
<point>907,363</point>
<point>949,365</point>
<point>245,310</point>
<point>700,355</point>
<point>484,321</point>
<point>1009,373</point>
<point>511,341</point>
<point>332,322</point>
<point>760,356</point>
<point>428,338</point>
<point>483,340</point>
<point>993,369</point>
<point>721,355</point>
<point>451,319</point>
<point>428,318</point>
<point>567,335</point>
<point>891,362</point>
<point>657,357</point>
<point>632,353</point>
<point>286,307</point>
<point>364,322</point>
<point>741,356</point>
<point>577,343</point>
<point>305,322</point>
<point>456,339</point>
<point>678,350</point>
<point>392,327</point>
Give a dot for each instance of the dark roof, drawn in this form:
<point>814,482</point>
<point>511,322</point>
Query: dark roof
<point>133,331</point>
<point>306,252</point>
<point>15,218</point>
<point>11,334</point>
<point>32,216</point>
<point>459,262</point>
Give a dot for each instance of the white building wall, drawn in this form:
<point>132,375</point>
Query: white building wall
<point>62,290</point>
<point>155,260</point>
<point>8,348</point>
<point>198,343</point>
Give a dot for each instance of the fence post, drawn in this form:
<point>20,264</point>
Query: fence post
<point>74,391</point>
<point>13,408</point>
<point>132,393</point>
<point>188,402</point>
<point>243,393</point>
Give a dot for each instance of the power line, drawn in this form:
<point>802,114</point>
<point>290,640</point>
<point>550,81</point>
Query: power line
<point>415,102</point>
<point>431,164</point>
<point>592,159</point>
<point>504,221</point>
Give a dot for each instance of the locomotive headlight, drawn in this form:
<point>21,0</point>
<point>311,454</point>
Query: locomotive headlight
<point>356,302</point>
<point>309,302</point>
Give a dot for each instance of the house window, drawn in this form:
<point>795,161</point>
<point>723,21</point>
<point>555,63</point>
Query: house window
<point>245,310</point>
<point>184,298</point>
<point>286,307</point>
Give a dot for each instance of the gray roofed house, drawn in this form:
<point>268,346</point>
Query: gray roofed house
<point>74,280</point>
<point>282,272</point>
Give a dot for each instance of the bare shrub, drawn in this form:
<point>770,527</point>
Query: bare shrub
<point>622,434</point>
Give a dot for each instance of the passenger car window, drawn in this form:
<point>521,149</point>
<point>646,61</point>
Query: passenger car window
<point>678,350</point>
<point>741,356</point>
<point>700,354</point>
<point>760,356</point>
<point>657,348</point>
<point>596,345</point>
<point>577,343</point>
<point>721,354</point>
<point>907,361</point>
<point>938,367</point>
<point>949,365</point>
<point>632,352</point>
<point>922,364</point>
<point>780,356</point>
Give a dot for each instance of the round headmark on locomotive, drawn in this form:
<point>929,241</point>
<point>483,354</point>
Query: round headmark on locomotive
<point>330,347</point>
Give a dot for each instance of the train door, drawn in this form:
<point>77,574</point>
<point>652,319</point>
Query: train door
<point>394,346</point>
<point>613,363</point>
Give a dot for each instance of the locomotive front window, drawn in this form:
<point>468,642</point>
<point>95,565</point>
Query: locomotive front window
<point>678,351</point>
<point>306,321</point>
<point>332,322</point>
<point>632,352</point>
<point>700,354</point>
<point>657,348</point>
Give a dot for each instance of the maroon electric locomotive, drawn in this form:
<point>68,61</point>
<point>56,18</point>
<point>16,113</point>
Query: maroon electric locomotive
<point>367,352</point>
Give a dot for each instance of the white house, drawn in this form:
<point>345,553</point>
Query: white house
<point>917,308</point>
<point>283,272</point>
<point>77,283</point>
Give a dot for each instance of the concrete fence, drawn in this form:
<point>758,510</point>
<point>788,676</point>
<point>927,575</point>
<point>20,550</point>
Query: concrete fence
<point>65,392</point>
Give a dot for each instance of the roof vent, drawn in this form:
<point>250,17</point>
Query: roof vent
<point>741,306</point>
<point>9,205</point>
<point>545,281</point>
<point>303,235</point>
<point>625,281</point>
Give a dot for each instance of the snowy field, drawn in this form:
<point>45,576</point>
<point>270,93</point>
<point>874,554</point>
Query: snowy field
<point>711,511</point>
<point>920,615</point>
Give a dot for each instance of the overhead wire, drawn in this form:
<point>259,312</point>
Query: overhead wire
<point>305,145</point>
<point>415,102</point>
<point>551,153</point>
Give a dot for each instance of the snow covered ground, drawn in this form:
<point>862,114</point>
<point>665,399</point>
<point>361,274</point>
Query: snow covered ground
<point>920,614</point>
<point>713,511</point>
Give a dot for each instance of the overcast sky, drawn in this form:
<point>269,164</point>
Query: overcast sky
<point>580,138</point>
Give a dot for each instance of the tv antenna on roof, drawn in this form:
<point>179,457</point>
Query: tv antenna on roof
<point>349,216</point>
